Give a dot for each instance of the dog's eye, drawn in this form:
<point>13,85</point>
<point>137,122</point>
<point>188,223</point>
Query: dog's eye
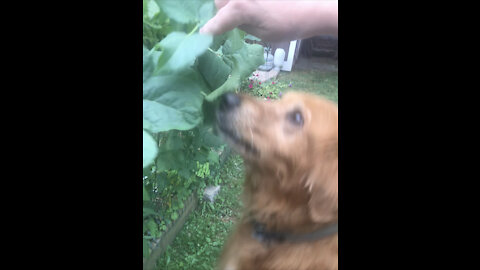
<point>295,118</point>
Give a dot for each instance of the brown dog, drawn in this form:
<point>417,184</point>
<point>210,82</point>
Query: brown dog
<point>290,148</point>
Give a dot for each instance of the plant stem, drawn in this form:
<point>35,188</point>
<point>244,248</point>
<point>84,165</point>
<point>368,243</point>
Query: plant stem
<point>194,29</point>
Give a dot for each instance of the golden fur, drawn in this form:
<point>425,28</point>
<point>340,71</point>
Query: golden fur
<point>291,181</point>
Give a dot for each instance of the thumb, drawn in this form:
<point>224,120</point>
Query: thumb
<point>226,19</point>
<point>220,3</point>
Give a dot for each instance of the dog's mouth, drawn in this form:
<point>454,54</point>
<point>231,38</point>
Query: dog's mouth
<point>237,140</point>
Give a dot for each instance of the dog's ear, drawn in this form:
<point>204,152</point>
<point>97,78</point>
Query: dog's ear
<point>322,184</point>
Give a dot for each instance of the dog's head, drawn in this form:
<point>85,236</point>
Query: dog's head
<point>294,138</point>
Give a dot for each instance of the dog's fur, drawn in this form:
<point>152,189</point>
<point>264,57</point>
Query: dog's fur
<point>291,180</point>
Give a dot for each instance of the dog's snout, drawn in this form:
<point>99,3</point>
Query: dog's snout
<point>229,101</point>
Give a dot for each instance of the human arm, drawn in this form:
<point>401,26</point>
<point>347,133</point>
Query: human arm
<point>275,20</point>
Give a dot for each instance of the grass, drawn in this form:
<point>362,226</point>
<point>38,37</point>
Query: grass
<point>314,81</point>
<point>199,243</point>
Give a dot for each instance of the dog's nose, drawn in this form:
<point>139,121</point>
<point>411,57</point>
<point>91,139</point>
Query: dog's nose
<point>229,101</point>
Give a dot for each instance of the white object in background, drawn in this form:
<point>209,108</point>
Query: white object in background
<point>268,59</point>
<point>278,58</point>
<point>211,192</point>
<point>268,62</point>
<point>287,65</point>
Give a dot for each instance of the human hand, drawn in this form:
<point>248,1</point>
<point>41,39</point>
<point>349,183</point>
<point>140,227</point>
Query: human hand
<point>275,20</point>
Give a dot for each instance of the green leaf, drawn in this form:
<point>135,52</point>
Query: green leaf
<point>201,155</point>
<point>185,11</point>
<point>150,61</point>
<point>147,125</point>
<point>172,142</point>
<point>172,154</point>
<point>245,61</point>
<point>235,41</point>
<point>152,8</point>
<point>185,173</point>
<point>152,226</point>
<point>182,11</point>
<point>149,212</point>
<point>146,197</point>
<point>174,216</point>
<point>173,101</point>
<point>213,69</point>
<point>171,160</point>
<point>180,50</point>
<point>208,138</point>
<point>145,7</point>
<point>218,41</point>
<point>206,12</point>
<point>162,117</point>
<point>213,157</point>
<point>149,149</point>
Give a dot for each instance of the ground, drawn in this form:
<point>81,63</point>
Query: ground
<point>321,83</point>
<point>318,75</point>
<point>200,242</point>
<point>321,64</point>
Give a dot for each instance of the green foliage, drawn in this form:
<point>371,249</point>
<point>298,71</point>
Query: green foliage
<point>183,75</point>
<point>242,59</point>
<point>213,68</point>
<point>188,11</point>
<point>199,243</point>
<point>179,51</point>
<point>170,188</point>
<point>180,71</point>
<point>156,25</point>
<point>269,90</point>
<point>203,170</point>
<point>149,149</point>
<point>164,109</point>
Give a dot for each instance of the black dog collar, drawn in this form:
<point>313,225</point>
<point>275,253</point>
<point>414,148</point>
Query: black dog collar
<point>264,236</point>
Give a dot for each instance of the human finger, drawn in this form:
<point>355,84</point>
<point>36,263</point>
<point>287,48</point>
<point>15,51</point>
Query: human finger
<point>220,3</point>
<point>226,19</point>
